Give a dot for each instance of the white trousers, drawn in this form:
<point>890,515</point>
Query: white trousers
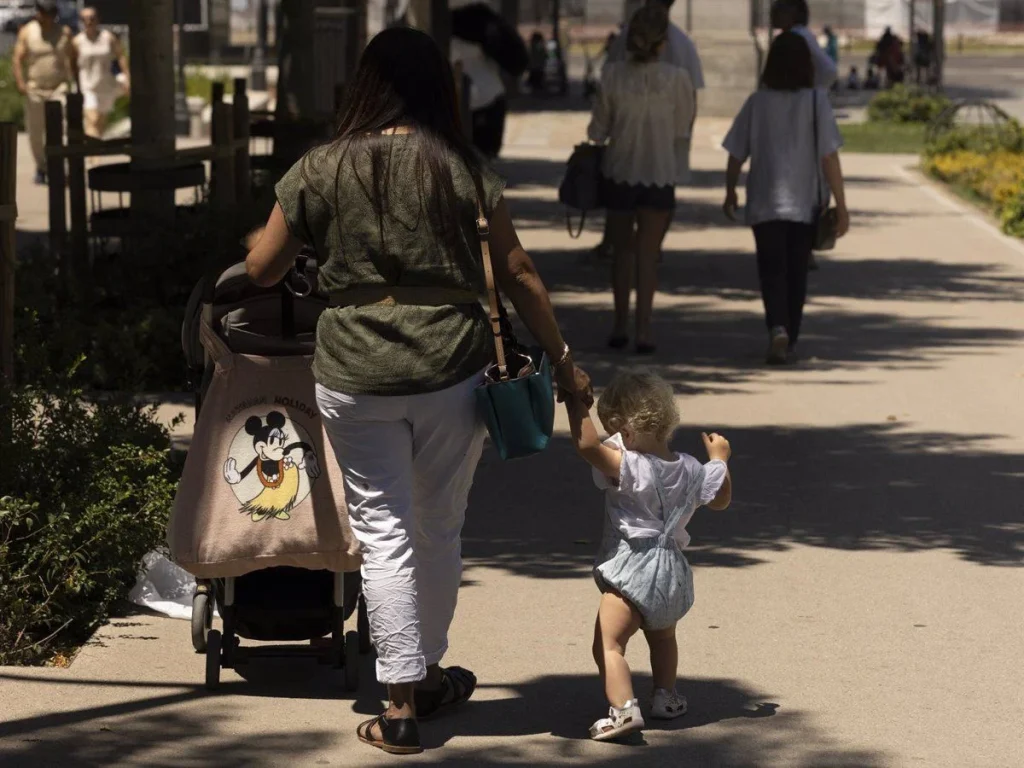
<point>408,464</point>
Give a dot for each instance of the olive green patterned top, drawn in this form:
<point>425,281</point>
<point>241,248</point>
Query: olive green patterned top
<point>398,349</point>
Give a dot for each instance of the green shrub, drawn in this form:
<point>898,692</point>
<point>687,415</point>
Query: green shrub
<point>85,492</point>
<point>12,106</point>
<point>983,139</point>
<point>1012,216</point>
<point>903,104</point>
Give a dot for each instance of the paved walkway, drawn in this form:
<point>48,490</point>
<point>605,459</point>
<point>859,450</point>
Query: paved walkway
<point>859,605</point>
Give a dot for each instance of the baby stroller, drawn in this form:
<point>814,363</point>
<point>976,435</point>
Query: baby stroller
<point>277,604</point>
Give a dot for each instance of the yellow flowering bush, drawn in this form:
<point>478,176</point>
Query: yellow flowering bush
<point>995,177</point>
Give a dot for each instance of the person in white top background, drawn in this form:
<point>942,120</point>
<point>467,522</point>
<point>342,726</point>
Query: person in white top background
<point>95,52</point>
<point>651,493</point>
<point>644,111</point>
<point>679,51</point>
<point>487,47</point>
<point>788,131</point>
<point>795,16</point>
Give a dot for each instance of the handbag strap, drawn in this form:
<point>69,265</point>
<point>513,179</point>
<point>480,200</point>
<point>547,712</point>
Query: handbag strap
<point>483,230</point>
<point>579,229</point>
<point>817,148</point>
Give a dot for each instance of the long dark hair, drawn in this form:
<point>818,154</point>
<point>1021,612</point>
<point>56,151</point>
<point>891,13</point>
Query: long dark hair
<point>789,66</point>
<point>403,81</point>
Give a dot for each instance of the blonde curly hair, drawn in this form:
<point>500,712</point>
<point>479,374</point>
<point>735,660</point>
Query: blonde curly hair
<point>641,400</point>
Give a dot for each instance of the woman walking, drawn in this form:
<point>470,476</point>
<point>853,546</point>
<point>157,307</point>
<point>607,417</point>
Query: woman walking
<point>789,132</point>
<point>645,113</point>
<point>96,51</point>
<point>391,207</point>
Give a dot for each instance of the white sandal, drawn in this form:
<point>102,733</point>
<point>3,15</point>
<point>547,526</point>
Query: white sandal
<point>619,722</point>
<point>667,705</point>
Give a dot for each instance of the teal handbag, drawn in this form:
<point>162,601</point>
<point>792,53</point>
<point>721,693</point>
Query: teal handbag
<point>516,400</point>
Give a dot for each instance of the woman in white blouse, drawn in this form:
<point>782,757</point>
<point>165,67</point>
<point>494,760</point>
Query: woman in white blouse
<point>645,113</point>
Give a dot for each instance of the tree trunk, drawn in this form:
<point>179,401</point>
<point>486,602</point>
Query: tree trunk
<point>434,18</point>
<point>152,106</point>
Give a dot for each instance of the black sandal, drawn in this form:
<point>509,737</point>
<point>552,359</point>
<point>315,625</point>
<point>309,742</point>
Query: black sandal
<point>398,737</point>
<point>457,685</point>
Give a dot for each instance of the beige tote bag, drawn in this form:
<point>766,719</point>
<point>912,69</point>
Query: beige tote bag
<point>261,487</point>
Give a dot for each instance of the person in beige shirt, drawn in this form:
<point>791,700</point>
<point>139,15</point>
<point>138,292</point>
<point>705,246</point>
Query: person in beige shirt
<point>42,69</point>
<point>95,51</point>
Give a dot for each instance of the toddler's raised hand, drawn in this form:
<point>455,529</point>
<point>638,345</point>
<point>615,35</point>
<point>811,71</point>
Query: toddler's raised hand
<point>717,446</point>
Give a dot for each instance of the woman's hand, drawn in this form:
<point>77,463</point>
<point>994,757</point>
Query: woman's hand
<point>730,205</point>
<point>574,382</point>
<point>842,221</point>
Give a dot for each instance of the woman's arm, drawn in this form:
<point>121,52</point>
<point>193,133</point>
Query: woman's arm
<point>732,178</point>
<point>518,279</point>
<point>600,119</point>
<point>272,251</point>
<point>834,176</point>
<point>117,49</point>
<point>18,60</point>
<point>605,460</point>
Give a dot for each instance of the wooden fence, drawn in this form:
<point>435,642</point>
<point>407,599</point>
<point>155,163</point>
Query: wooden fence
<point>227,153</point>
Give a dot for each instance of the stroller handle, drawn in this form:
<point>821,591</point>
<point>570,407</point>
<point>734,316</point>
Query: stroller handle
<point>297,280</point>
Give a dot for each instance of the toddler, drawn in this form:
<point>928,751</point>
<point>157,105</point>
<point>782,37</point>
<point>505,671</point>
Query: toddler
<point>650,495</point>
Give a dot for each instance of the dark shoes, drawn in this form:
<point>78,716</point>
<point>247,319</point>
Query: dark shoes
<point>778,346</point>
<point>457,685</point>
<point>397,737</point>
<point>402,736</point>
<point>40,177</point>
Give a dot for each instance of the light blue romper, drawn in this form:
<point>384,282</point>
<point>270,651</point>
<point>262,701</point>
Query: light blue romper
<point>651,571</point>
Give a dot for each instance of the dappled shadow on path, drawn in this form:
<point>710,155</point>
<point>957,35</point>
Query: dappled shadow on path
<point>729,274</point>
<point>536,719</point>
<point>551,705</point>
<point>860,487</point>
<point>160,736</point>
<point>710,329</point>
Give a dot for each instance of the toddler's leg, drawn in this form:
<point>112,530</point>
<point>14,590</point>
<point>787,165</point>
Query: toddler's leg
<point>666,704</point>
<point>664,657</point>
<point>617,621</point>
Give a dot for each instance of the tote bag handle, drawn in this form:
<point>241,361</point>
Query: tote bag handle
<point>483,230</point>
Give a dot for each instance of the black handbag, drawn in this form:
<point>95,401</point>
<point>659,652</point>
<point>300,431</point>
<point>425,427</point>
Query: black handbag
<point>581,189</point>
<point>826,219</point>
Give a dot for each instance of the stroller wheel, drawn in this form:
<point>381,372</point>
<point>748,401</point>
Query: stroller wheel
<point>363,624</point>
<point>202,620</point>
<point>213,660</point>
<point>352,661</point>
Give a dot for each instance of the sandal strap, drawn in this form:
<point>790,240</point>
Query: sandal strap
<point>457,685</point>
<point>401,732</point>
<point>365,728</point>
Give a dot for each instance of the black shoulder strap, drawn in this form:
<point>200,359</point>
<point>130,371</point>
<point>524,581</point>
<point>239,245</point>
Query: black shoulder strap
<point>817,148</point>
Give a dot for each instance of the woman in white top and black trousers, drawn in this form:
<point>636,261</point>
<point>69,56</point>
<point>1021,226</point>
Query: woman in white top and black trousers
<point>645,113</point>
<point>789,132</point>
